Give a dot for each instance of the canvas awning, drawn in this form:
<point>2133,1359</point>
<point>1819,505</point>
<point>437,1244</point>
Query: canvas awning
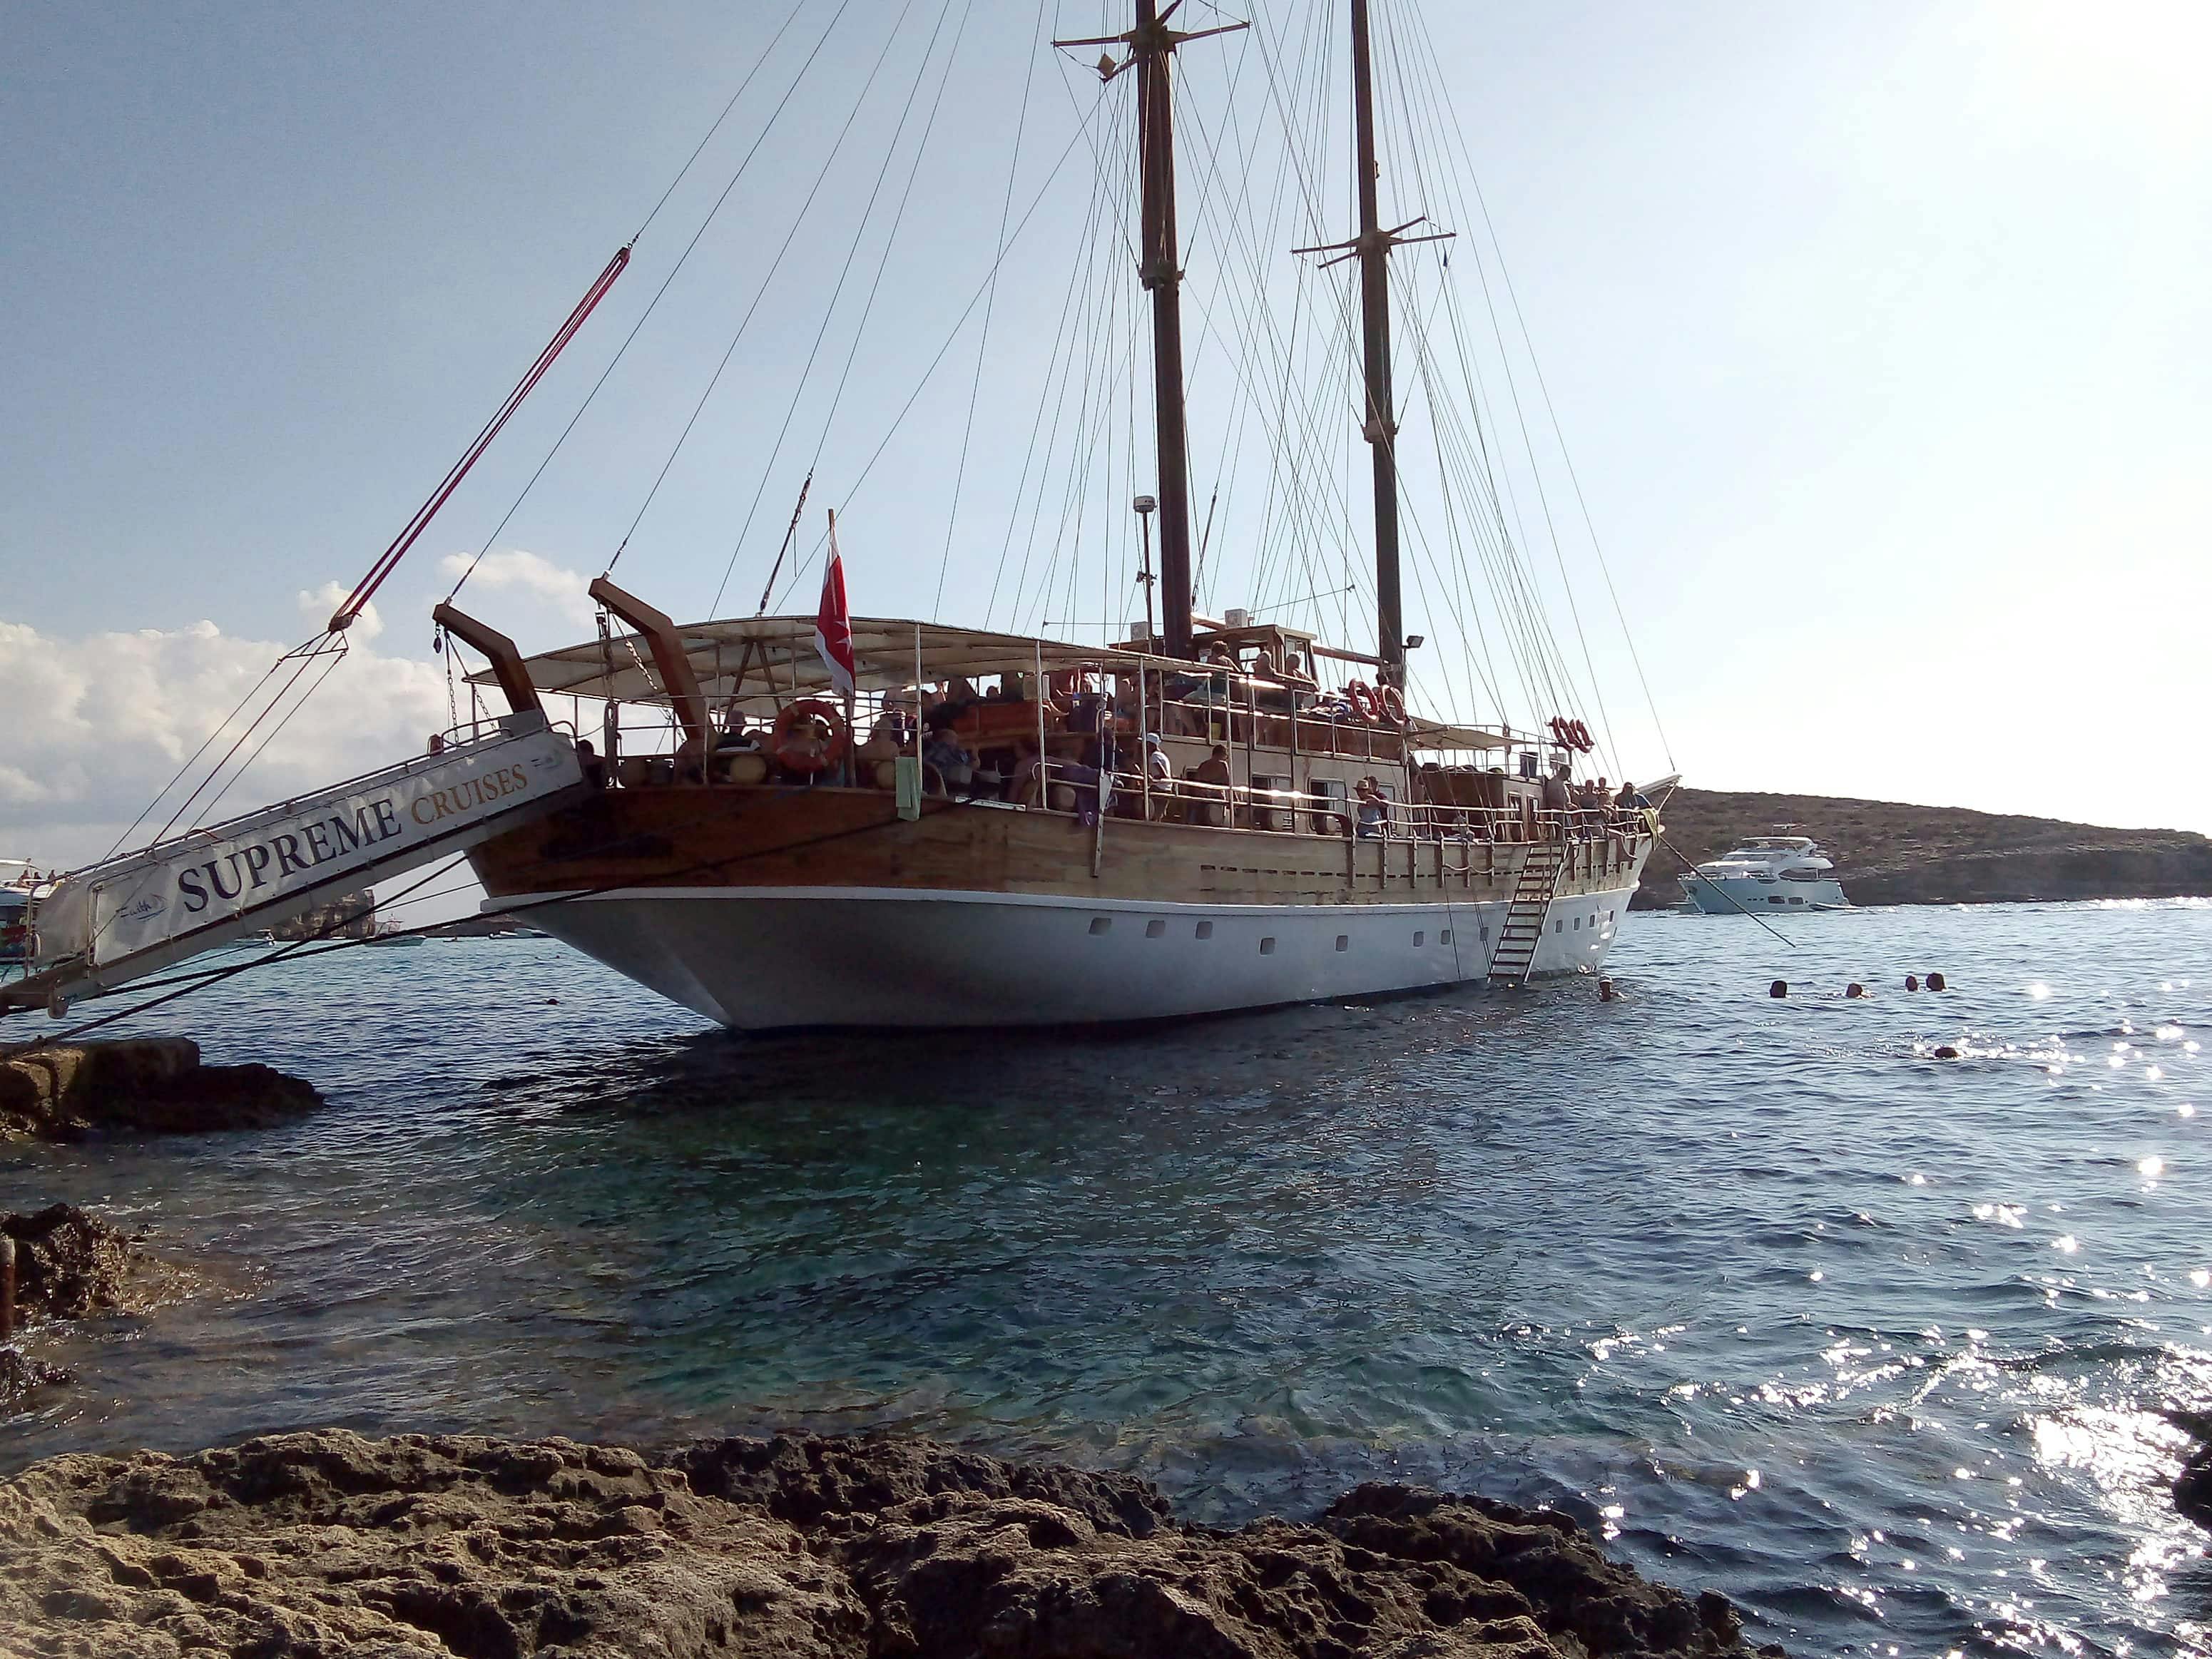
<point>777,659</point>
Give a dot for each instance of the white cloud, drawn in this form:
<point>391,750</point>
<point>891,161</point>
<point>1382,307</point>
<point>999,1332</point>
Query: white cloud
<point>100,723</point>
<point>516,570</point>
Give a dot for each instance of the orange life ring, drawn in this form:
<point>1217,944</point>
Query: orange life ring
<point>1570,734</point>
<point>1361,698</point>
<point>1394,705</point>
<point>797,750</point>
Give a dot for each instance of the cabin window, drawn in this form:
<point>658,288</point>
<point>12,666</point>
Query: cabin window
<point>1267,946</point>
<point>1205,930</point>
<point>1344,941</point>
<point>1155,927</point>
<point>1443,938</point>
<point>1101,924</point>
<point>1335,802</point>
<point>1417,939</point>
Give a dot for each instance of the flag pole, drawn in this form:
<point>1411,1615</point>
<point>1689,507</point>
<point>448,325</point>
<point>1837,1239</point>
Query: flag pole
<point>849,765</point>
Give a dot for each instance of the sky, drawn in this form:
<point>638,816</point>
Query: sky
<point>1876,335</point>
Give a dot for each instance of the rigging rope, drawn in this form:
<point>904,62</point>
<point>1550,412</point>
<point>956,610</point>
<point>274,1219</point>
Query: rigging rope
<point>621,350</point>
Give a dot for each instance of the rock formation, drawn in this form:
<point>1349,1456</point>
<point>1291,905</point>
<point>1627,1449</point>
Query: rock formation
<point>325,1542</point>
<point>71,1091</point>
<point>1887,853</point>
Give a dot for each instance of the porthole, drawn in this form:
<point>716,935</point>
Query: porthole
<point>1444,938</point>
<point>1267,946</point>
<point>1155,927</point>
<point>1559,926</point>
<point>1205,930</point>
<point>1578,924</point>
<point>1419,939</point>
<point>1344,941</point>
<point>1101,924</point>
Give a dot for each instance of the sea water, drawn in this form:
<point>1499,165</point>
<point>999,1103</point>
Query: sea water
<point>1764,1291</point>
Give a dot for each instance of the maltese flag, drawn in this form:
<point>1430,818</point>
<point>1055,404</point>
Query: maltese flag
<point>833,623</point>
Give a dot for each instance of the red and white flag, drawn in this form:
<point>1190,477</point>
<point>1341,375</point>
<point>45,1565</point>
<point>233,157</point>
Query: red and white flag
<point>833,623</point>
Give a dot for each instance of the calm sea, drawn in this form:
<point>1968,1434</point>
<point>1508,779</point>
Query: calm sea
<point>1871,1340</point>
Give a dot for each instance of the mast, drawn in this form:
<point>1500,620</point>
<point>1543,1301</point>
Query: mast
<point>1372,248</point>
<point>1161,272</point>
<point>1380,428</point>
<point>1151,47</point>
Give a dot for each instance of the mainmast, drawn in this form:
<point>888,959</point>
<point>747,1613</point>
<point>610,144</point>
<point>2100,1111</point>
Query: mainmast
<point>1151,47</point>
<point>1372,248</point>
<point>1380,429</point>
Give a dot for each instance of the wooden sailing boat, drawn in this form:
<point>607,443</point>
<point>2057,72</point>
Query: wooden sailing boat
<point>1032,831</point>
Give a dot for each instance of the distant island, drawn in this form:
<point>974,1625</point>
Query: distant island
<point>1889,853</point>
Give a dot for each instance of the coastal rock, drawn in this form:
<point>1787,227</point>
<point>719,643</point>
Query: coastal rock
<point>70,1265</point>
<point>324,1541</point>
<point>69,1091</point>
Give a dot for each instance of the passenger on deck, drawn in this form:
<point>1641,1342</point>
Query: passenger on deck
<point>1631,799</point>
<point>595,770</point>
<point>1558,795</point>
<point>1156,760</point>
<point>1263,666</point>
<point>436,745</point>
<point>1373,810</point>
<point>1213,770</point>
<point>735,736</point>
<point>953,763</point>
<point>690,761</point>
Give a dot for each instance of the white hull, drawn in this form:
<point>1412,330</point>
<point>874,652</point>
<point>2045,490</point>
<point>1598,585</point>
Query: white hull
<point>1712,896</point>
<point>761,958</point>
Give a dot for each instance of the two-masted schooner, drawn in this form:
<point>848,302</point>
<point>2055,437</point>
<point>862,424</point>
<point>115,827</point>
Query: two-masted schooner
<point>953,826</point>
<point>827,820</point>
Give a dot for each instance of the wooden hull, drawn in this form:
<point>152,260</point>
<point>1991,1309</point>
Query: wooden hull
<point>763,908</point>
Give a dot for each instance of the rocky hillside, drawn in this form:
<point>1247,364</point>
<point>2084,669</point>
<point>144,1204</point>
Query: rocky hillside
<point>1889,853</point>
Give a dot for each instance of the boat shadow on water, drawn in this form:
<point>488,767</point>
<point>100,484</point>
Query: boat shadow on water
<point>1307,1050</point>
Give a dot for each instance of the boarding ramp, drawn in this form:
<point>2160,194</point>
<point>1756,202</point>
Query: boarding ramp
<point>137,913</point>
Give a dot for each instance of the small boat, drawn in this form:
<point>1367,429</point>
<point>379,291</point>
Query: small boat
<point>1767,872</point>
<point>395,940</point>
<point>16,891</point>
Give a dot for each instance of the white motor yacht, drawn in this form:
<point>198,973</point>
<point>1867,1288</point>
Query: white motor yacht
<point>1767,872</point>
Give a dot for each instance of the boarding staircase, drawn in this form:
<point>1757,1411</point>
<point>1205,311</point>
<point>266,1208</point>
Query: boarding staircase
<point>1514,956</point>
<point>134,915</point>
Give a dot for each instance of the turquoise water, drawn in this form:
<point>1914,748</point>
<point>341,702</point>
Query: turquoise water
<point>1868,1340</point>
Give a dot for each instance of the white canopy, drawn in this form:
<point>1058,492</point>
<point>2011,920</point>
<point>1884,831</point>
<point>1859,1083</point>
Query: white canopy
<point>772,659</point>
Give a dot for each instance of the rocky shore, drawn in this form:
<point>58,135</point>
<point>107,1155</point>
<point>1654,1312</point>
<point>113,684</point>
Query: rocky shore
<point>144,1085</point>
<point>324,1542</point>
<point>1889,853</point>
